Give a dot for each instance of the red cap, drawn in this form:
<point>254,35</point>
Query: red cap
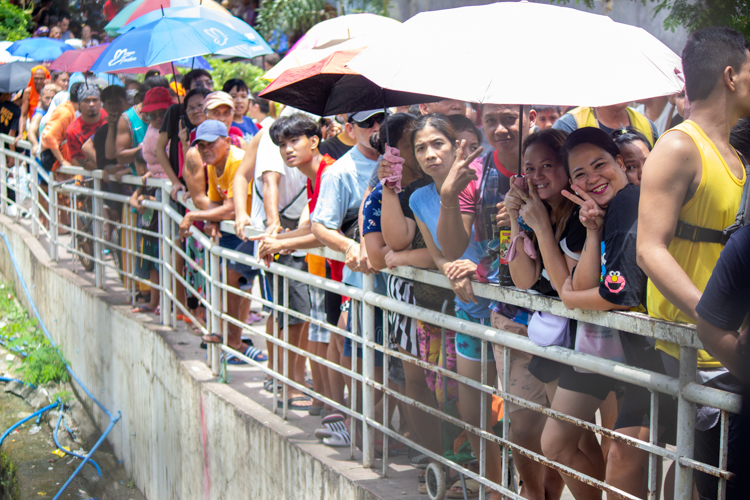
<point>156,98</point>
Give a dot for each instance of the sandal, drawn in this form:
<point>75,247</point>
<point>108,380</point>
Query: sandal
<point>268,385</point>
<point>457,491</point>
<point>314,410</point>
<point>185,318</point>
<point>338,440</point>
<point>328,429</point>
<point>251,352</point>
<point>141,310</point>
<point>298,399</point>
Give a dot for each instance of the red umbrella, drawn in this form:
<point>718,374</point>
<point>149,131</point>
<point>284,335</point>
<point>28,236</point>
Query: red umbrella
<point>328,87</point>
<point>82,60</point>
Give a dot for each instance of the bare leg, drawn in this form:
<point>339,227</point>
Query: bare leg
<point>608,411</point>
<point>627,466</point>
<point>470,401</point>
<point>560,442</point>
<point>321,384</point>
<point>428,431</point>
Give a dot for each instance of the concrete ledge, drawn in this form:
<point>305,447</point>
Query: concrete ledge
<point>182,435</point>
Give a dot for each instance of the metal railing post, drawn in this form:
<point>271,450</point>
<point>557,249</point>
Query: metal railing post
<point>3,179</point>
<point>164,254</point>
<point>683,487</point>
<point>368,372</point>
<point>214,350</point>
<point>98,231</point>
<point>53,217</point>
<point>34,197</point>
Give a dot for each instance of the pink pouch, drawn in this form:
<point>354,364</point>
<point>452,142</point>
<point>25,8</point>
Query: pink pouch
<point>397,164</point>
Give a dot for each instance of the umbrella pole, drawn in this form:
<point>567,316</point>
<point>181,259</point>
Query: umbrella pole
<point>174,76</point>
<point>385,111</point>
<point>520,137</point>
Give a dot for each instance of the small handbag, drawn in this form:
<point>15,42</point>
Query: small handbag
<point>598,341</point>
<point>546,329</point>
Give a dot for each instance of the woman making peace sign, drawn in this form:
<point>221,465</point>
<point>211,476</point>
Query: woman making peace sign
<point>607,277</point>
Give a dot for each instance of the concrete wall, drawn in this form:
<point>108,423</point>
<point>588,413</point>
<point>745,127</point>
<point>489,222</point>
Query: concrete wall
<point>631,12</point>
<point>181,437</point>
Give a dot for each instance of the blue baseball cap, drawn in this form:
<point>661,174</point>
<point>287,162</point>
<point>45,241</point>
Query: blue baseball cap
<point>209,131</point>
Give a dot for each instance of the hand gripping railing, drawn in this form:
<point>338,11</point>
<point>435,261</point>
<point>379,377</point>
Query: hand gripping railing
<point>684,388</point>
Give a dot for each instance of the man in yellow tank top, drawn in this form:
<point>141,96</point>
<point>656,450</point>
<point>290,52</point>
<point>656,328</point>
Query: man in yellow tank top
<point>694,178</point>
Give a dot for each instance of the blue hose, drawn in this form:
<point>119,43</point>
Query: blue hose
<point>112,418</point>
<point>7,379</point>
<point>54,436</point>
<point>24,420</point>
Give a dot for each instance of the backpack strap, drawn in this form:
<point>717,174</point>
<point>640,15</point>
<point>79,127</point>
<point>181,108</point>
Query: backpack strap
<point>691,232</point>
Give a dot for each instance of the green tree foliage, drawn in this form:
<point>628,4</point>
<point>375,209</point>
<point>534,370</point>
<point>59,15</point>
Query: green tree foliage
<point>704,13</point>
<point>292,17</point>
<point>225,70</point>
<point>13,22</point>
<point>697,14</point>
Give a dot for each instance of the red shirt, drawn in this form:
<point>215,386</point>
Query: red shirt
<point>111,9</point>
<point>337,267</point>
<point>79,132</point>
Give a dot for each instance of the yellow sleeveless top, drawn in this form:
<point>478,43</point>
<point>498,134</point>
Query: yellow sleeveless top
<point>585,118</point>
<point>714,205</point>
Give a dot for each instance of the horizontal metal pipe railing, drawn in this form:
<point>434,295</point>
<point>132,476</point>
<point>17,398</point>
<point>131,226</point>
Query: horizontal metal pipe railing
<point>640,324</point>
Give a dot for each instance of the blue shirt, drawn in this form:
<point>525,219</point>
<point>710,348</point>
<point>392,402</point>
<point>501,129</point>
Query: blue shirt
<point>425,203</point>
<point>371,211</point>
<point>248,127</point>
<point>342,188</point>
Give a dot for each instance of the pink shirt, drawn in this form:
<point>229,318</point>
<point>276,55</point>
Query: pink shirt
<point>149,153</point>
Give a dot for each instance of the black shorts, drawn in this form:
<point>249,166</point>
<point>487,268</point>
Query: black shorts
<point>333,303</point>
<point>592,384</point>
<point>635,410</point>
<point>545,370</point>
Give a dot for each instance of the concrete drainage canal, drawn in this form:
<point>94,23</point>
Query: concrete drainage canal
<point>46,432</point>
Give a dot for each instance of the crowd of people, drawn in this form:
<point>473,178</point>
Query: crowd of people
<point>609,208</point>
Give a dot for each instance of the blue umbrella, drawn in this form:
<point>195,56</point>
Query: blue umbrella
<point>167,40</point>
<point>257,47</point>
<point>39,49</point>
<point>194,63</point>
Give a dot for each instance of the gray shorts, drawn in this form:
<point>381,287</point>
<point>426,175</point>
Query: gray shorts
<point>317,333</point>
<point>299,295</point>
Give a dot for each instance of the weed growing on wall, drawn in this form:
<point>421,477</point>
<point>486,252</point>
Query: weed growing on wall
<point>41,362</point>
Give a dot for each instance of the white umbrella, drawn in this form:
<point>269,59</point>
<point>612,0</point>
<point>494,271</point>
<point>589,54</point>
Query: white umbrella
<point>522,53</point>
<point>350,32</point>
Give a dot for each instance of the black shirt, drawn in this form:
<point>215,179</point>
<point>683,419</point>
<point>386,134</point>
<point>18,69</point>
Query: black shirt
<point>334,148</point>
<point>100,140</point>
<point>726,300</point>
<point>427,296</point>
<point>171,125</point>
<point>572,239</point>
<point>10,115</point>
<point>622,281</point>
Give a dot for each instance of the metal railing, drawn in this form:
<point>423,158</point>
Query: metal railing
<point>214,299</point>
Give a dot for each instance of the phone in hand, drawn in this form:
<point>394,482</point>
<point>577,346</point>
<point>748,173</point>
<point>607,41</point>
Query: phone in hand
<point>521,183</point>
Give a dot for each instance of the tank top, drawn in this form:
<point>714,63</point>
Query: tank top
<point>585,117</point>
<point>714,205</point>
<point>137,126</point>
<point>149,153</point>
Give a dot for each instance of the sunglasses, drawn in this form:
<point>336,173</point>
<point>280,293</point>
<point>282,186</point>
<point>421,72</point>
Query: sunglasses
<point>371,121</point>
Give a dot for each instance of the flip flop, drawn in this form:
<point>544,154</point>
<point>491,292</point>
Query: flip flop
<point>338,440</point>
<point>337,416</point>
<point>141,310</point>
<point>185,318</point>
<point>456,490</point>
<point>297,399</point>
<point>315,410</point>
<point>251,352</point>
<point>268,385</point>
<point>328,429</point>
